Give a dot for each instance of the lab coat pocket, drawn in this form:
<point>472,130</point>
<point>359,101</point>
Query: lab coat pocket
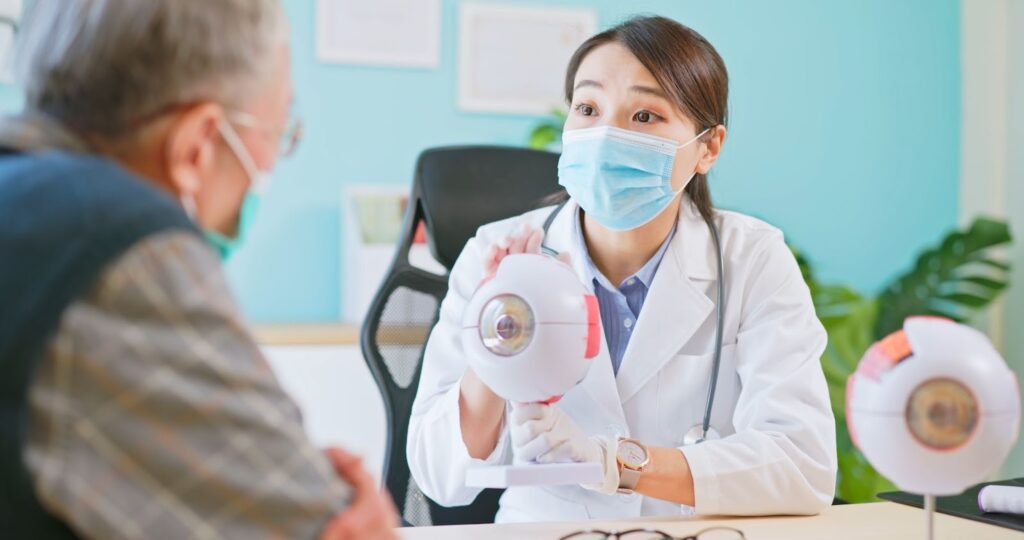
<point>683,390</point>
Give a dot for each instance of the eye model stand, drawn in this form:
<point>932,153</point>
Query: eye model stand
<point>929,517</point>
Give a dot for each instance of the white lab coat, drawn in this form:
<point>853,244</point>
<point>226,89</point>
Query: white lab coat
<point>777,454</point>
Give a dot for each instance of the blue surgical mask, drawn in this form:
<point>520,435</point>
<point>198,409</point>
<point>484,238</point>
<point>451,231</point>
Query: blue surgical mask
<point>621,178</point>
<point>258,181</point>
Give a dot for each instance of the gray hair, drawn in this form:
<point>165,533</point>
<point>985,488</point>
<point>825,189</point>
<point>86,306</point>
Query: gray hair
<point>102,66</point>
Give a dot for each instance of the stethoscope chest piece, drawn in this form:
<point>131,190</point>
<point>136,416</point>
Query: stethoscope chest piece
<point>696,435</point>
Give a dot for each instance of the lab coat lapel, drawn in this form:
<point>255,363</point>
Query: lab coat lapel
<point>600,379</point>
<point>674,309</point>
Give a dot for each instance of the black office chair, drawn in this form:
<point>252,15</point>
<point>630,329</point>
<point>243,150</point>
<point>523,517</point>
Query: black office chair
<point>455,191</point>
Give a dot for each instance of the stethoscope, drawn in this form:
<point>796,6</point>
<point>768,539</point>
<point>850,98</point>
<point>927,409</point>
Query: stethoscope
<point>702,431</point>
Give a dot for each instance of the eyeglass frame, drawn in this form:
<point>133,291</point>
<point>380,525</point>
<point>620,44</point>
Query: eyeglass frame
<point>289,138</point>
<point>608,535</point>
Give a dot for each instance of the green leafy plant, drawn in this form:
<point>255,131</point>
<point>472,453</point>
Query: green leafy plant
<point>548,132</point>
<point>956,279</point>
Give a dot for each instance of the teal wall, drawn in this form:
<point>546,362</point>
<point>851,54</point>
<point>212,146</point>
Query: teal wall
<point>844,132</point>
<point>10,98</point>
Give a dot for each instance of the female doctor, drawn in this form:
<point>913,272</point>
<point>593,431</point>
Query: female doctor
<point>648,103</point>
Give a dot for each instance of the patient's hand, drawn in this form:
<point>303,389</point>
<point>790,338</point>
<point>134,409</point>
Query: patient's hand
<point>372,514</point>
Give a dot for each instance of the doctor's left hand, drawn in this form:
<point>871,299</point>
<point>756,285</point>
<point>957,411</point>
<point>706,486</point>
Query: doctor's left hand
<point>546,434</point>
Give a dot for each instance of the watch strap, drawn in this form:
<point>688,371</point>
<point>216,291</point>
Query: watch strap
<point>628,478</point>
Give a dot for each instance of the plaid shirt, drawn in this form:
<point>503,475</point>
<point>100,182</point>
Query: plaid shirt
<point>153,412</point>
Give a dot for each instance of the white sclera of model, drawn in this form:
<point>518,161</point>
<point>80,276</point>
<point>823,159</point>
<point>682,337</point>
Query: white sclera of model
<point>530,333</point>
<point>940,420</point>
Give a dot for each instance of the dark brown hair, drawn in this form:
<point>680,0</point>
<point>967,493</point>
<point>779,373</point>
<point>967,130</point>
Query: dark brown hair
<point>685,65</point>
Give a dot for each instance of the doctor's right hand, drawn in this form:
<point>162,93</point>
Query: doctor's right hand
<point>546,434</point>
<point>525,239</point>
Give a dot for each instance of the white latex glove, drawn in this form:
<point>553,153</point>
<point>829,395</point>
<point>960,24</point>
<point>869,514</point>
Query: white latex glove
<point>546,434</point>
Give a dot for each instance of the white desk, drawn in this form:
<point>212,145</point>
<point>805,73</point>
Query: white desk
<point>882,521</point>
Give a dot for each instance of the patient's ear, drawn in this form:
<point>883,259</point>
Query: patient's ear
<point>189,148</point>
<point>713,141</point>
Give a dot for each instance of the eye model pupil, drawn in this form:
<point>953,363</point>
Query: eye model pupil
<point>507,327</point>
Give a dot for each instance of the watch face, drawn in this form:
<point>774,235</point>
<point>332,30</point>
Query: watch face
<point>632,454</point>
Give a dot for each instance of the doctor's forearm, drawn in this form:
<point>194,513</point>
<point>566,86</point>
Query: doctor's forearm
<point>667,477</point>
<point>480,415</point>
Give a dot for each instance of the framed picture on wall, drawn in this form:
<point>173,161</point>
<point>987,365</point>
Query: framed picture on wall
<point>512,59</point>
<point>398,33</point>
<point>10,17</point>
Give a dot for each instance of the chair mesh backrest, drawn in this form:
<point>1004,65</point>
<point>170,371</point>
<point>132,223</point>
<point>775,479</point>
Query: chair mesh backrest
<point>401,337</point>
<point>456,190</point>
<point>417,506</point>
<point>393,341</point>
<point>407,318</point>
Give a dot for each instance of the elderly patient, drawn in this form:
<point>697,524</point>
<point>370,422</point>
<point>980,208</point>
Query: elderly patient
<point>134,402</point>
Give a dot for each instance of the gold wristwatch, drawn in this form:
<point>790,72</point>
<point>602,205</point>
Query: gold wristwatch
<point>632,457</point>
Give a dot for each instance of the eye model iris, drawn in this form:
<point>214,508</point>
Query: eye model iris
<point>506,325</point>
<point>942,414</point>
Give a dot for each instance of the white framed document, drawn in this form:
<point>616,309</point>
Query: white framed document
<point>371,227</point>
<point>398,33</point>
<point>512,59</point>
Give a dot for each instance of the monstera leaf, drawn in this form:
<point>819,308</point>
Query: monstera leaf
<point>954,280</point>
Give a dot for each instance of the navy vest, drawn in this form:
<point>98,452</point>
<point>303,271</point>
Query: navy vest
<point>63,219</point>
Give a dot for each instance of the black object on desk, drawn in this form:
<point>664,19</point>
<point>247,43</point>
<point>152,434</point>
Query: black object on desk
<point>965,505</point>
